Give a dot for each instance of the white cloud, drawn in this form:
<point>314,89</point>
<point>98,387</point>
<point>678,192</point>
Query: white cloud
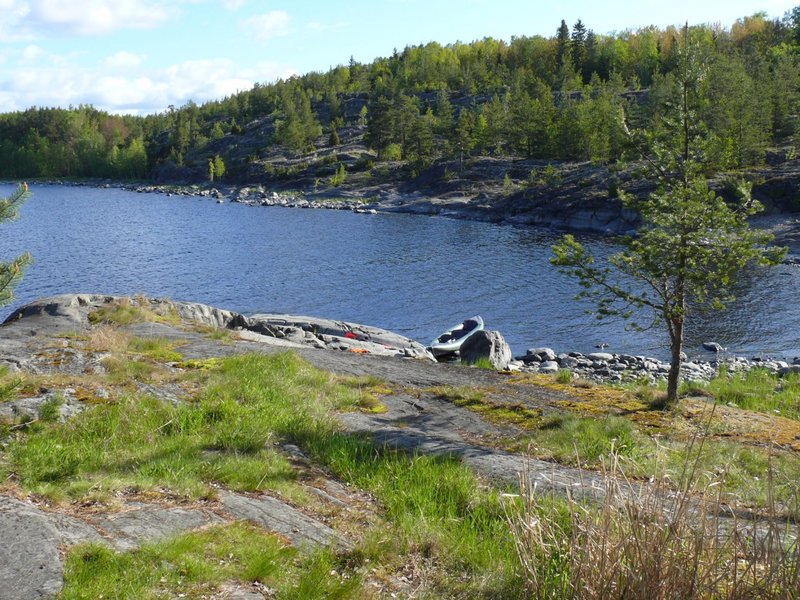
<point>269,25</point>
<point>32,19</point>
<point>233,4</point>
<point>32,53</point>
<point>136,93</point>
<point>317,26</point>
<point>123,59</point>
<point>93,17</point>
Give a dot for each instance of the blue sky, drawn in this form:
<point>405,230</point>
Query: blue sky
<point>140,56</point>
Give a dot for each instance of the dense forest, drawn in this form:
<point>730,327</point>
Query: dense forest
<point>572,96</point>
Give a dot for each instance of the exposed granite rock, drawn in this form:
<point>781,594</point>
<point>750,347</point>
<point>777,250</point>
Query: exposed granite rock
<point>24,329</point>
<point>148,523</point>
<point>336,335</point>
<point>29,560</point>
<point>486,344</point>
<point>277,516</point>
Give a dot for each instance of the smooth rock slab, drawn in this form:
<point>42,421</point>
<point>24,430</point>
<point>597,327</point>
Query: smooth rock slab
<point>150,523</point>
<point>73,531</point>
<point>29,560</point>
<point>277,516</point>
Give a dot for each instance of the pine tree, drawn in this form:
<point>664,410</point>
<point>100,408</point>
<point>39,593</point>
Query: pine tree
<point>692,245</point>
<point>11,272</point>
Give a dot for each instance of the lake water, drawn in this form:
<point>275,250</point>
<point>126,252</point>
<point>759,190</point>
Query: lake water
<point>411,274</point>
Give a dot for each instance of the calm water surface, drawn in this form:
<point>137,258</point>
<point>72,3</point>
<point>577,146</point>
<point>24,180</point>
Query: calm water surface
<point>411,274</point>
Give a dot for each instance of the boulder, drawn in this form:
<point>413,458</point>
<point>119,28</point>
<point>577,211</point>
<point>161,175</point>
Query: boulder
<point>549,366</point>
<point>539,355</point>
<point>487,344</point>
<point>712,347</point>
<point>568,362</point>
<point>788,370</point>
<point>601,357</point>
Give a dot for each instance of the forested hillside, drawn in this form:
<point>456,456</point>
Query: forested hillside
<point>572,96</point>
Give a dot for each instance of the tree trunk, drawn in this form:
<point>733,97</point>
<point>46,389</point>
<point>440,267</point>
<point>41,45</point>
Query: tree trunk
<point>676,346</point>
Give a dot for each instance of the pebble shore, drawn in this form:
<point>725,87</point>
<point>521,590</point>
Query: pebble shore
<point>620,368</point>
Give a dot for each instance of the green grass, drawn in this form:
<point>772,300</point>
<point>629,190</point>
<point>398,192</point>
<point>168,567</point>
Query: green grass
<point>128,312</point>
<point>122,370</point>
<point>564,376</point>
<point>435,517</point>
<point>496,412</point>
<point>758,390</point>
<point>8,385</point>
<point>196,564</point>
<point>587,441</point>
<point>436,511</point>
<point>747,473</point>
<point>481,363</point>
<point>157,349</point>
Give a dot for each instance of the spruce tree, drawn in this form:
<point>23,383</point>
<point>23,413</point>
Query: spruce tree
<point>562,44</point>
<point>12,271</point>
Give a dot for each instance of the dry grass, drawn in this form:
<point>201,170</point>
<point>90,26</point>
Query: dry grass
<point>106,338</point>
<point>651,542</point>
<point>126,311</point>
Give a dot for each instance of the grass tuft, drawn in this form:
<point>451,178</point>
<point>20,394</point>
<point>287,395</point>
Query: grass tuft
<point>127,311</point>
<point>758,390</point>
<point>481,363</point>
<point>195,565</point>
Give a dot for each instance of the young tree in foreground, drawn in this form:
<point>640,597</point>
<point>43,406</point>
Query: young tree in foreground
<point>11,272</point>
<point>692,244</point>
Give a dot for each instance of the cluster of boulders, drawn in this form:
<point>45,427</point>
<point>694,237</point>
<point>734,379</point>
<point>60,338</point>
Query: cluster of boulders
<point>615,368</point>
<point>608,367</point>
<point>258,197</point>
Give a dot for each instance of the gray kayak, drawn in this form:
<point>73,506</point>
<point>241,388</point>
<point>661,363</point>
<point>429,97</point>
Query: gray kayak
<point>451,340</point>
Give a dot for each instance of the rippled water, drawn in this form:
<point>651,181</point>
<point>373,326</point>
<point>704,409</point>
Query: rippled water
<point>411,274</point>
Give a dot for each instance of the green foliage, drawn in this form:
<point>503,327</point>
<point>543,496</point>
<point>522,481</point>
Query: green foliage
<point>551,98</point>
<point>197,564</point>
<point>564,376</point>
<point>482,363</point>
<point>567,438</point>
<point>299,126</point>
<point>49,411</point>
<point>391,152</point>
<point>758,390</point>
<point>228,436</point>
<point>216,168</point>
<point>339,177</point>
<point>8,385</point>
<point>333,139</point>
<point>11,272</point>
<point>508,184</point>
<point>692,245</point>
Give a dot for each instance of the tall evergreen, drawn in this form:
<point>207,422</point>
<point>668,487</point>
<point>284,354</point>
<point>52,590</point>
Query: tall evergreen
<point>562,44</point>
<point>577,46</point>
